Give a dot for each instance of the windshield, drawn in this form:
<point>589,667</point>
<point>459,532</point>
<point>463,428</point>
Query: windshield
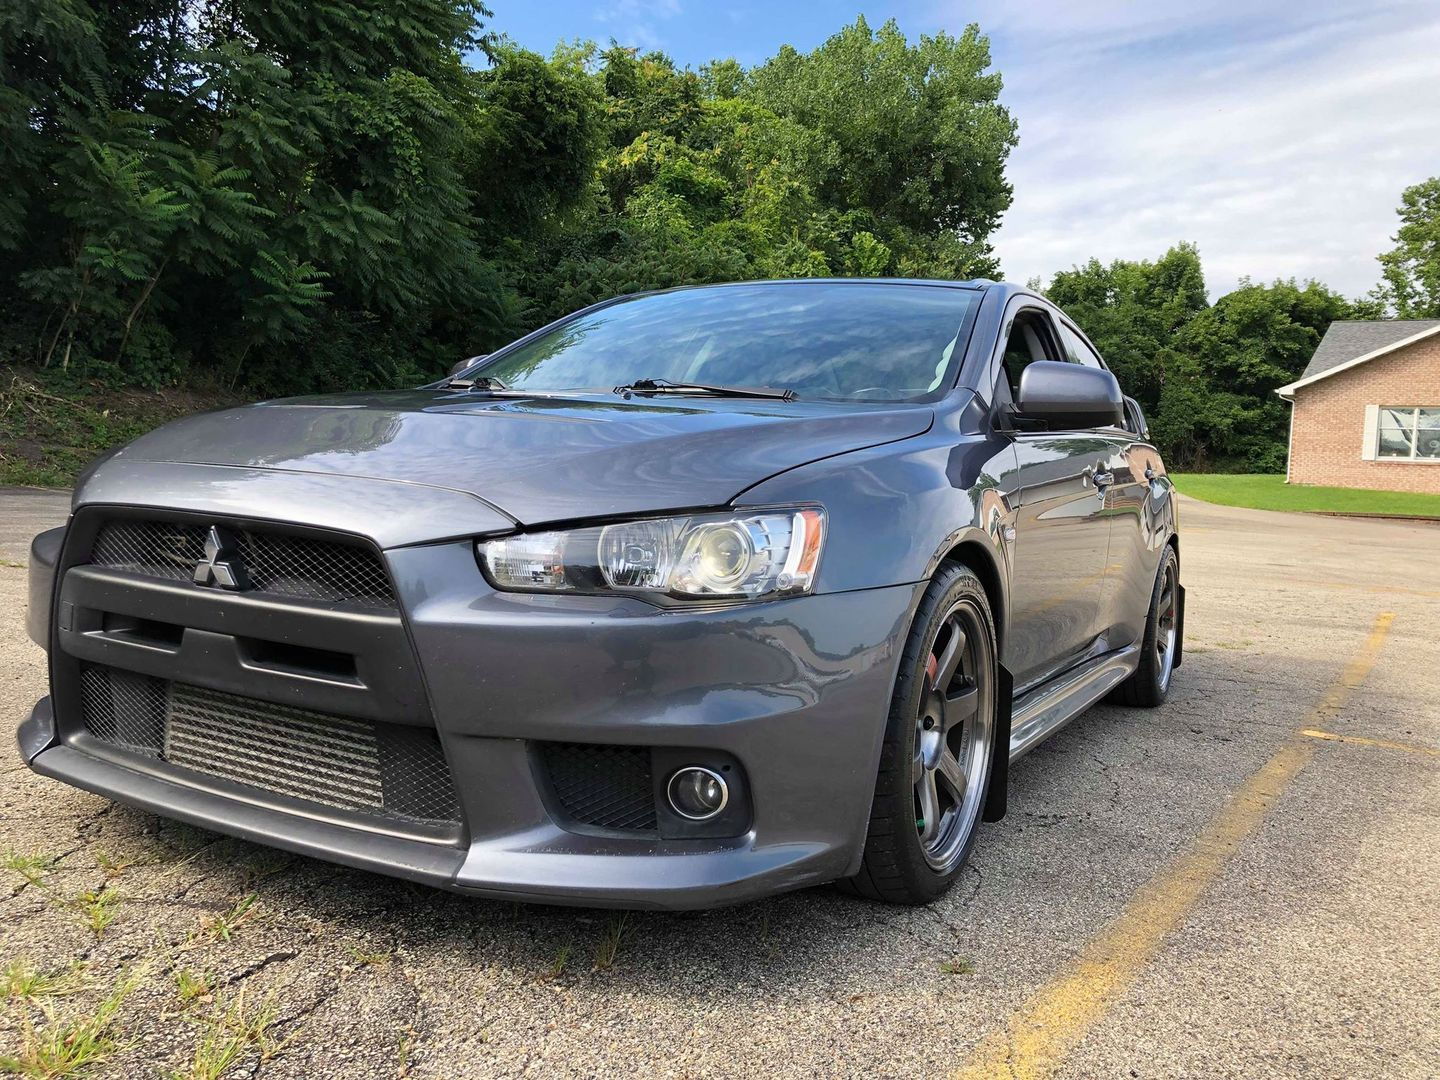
<point>823,340</point>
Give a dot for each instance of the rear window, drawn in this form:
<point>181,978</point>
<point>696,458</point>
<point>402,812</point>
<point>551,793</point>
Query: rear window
<point>833,340</point>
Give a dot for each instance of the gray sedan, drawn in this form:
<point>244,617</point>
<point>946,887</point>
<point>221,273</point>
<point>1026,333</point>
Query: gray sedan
<point>687,598</point>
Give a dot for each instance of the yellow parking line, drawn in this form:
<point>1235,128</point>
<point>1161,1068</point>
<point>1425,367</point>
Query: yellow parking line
<point>1360,740</point>
<point>1057,1017</point>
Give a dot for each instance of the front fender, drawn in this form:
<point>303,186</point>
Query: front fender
<point>44,555</point>
<point>895,512</point>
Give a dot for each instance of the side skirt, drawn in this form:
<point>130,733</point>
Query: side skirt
<point>1046,709</point>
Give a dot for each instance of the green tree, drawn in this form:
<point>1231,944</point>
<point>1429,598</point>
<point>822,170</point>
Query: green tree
<point>1205,374</point>
<point>1411,269</point>
<point>298,196</point>
<point>920,136</point>
<point>1223,411</point>
<point>534,138</point>
<point>1132,312</point>
<point>247,174</point>
<point>869,156</point>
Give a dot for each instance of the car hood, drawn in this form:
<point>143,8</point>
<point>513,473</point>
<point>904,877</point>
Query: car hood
<point>537,458</point>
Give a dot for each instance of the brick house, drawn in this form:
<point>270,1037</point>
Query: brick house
<point>1366,412</point>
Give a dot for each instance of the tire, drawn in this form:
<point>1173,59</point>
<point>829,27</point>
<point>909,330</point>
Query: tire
<point>1149,686</point>
<point>922,824</point>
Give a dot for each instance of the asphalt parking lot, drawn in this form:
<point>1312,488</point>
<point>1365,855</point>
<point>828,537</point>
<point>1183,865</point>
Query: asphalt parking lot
<point>1245,883</point>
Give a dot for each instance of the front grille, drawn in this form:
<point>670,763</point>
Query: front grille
<point>389,770</point>
<point>605,786</point>
<point>125,709</point>
<point>277,563</point>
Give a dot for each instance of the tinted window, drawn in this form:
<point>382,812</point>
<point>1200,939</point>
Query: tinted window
<point>826,340</point>
<point>1028,341</point>
<point>1078,351</point>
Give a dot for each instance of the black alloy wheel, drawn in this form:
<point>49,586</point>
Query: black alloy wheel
<point>939,745</point>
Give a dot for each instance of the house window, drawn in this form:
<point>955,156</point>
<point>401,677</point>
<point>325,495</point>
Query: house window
<point>1408,433</point>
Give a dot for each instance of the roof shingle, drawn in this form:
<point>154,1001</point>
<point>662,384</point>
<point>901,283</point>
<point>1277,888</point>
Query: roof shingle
<point>1345,340</point>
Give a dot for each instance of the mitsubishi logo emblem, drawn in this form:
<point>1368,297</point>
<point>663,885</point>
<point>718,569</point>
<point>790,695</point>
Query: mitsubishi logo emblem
<point>221,564</point>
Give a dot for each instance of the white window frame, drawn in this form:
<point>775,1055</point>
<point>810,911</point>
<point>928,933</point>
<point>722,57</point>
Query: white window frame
<point>1370,450</point>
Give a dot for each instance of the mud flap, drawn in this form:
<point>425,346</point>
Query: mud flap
<point>1179,624</point>
<point>996,794</point>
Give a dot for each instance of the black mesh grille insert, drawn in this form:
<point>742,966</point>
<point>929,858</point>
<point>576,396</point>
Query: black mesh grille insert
<point>605,786</point>
<point>124,708</point>
<point>391,770</point>
<point>277,563</point>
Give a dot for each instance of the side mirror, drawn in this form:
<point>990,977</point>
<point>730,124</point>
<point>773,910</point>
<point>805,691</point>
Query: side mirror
<point>467,362</point>
<point>1067,397</point>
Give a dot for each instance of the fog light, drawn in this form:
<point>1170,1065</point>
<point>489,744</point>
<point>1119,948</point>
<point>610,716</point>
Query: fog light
<point>697,793</point>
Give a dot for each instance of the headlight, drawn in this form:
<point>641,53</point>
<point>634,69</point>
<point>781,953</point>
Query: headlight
<point>747,555</point>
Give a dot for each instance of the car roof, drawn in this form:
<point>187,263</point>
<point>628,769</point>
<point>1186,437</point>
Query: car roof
<point>972,284</point>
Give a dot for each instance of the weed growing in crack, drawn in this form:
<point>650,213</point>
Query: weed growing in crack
<point>367,959</point>
<point>113,866</point>
<point>609,947</point>
<point>191,986</point>
<point>97,909</point>
<point>557,965</point>
<point>232,1031</point>
<point>32,868</point>
<point>265,863</point>
<point>402,1052</point>
<point>223,927</point>
<point>65,1047</point>
<point>769,945</point>
<point>23,982</point>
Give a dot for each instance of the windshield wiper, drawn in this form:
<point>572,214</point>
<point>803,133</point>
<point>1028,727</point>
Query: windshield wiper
<point>665,386</point>
<point>480,382</point>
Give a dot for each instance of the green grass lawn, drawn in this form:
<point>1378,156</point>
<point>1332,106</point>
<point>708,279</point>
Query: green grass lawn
<point>1267,492</point>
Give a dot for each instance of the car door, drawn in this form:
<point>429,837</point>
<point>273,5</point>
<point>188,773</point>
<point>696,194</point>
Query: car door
<point>1124,479</point>
<point>1062,535</point>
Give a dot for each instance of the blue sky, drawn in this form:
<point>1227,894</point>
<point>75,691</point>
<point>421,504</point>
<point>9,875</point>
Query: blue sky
<point>1277,136</point>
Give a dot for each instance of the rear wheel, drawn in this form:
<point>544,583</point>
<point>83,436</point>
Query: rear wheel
<point>939,742</point>
<point>1149,686</point>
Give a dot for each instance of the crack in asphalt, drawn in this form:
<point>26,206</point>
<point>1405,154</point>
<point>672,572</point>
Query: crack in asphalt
<point>260,965</point>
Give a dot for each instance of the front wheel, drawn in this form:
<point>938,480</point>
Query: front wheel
<point>939,743</point>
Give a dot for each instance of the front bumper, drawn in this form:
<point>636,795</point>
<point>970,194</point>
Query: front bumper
<point>796,691</point>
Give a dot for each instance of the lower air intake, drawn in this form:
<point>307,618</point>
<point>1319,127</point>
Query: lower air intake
<point>608,787</point>
<point>386,770</point>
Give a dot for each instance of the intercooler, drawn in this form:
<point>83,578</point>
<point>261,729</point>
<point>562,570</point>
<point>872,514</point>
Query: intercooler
<point>393,771</point>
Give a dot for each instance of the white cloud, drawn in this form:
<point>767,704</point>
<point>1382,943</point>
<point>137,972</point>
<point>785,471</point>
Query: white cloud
<point>636,22</point>
<point>1277,137</point>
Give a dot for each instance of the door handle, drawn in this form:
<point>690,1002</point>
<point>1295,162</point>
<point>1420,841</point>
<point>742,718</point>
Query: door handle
<point>1104,479</point>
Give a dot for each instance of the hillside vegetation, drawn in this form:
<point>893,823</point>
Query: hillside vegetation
<point>275,197</point>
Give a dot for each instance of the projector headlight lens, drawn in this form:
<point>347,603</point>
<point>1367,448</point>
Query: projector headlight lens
<point>747,555</point>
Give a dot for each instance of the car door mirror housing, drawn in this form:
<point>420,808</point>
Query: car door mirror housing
<point>1066,397</point>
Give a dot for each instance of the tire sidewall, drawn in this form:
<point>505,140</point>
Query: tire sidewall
<point>1152,628</point>
<point>1151,690</point>
<point>953,584</point>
